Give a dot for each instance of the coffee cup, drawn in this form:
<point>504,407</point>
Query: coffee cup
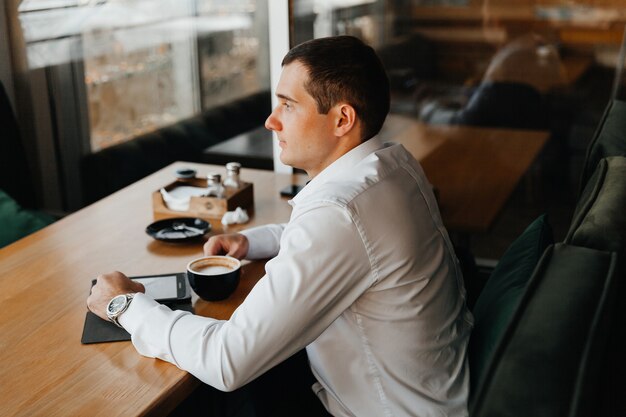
<point>215,277</point>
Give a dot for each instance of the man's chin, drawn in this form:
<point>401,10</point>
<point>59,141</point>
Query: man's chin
<point>287,161</point>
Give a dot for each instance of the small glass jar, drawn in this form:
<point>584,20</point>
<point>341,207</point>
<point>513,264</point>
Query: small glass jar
<point>214,185</point>
<point>232,175</point>
<point>184,174</point>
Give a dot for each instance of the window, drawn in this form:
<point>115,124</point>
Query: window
<point>486,65</point>
<point>150,63</point>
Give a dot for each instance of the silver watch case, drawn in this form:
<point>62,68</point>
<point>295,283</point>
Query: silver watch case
<point>117,306</point>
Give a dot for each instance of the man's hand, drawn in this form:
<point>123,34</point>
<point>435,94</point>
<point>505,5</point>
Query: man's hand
<point>108,286</point>
<point>231,244</point>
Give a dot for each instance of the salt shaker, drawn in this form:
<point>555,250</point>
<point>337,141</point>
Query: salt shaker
<point>232,175</point>
<point>214,185</point>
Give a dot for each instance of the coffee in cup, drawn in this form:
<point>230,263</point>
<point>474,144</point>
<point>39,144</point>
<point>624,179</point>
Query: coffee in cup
<point>214,277</point>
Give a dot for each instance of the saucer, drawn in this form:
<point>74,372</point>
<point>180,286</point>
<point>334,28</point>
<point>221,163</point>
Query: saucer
<point>179,229</point>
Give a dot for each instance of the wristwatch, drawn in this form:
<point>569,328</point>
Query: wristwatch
<point>117,306</point>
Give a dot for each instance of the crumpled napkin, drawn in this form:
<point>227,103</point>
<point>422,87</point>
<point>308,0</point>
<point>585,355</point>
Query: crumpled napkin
<point>238,216</point>
<point>179,198</point>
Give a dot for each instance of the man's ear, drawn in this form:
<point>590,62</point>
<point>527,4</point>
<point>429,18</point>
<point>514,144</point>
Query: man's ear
<point>345,119</point>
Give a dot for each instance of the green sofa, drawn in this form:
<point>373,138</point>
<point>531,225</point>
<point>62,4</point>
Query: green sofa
<point>18,214</point>
<point>608,139</point>
<point>17,221</point>
<point>548,339</point>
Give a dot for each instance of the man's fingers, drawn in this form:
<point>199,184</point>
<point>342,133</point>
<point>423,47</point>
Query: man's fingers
<point>214,246</point>
<point>139,287</point>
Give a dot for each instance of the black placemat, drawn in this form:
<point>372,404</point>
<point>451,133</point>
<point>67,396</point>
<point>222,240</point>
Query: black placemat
<point>96,330</point>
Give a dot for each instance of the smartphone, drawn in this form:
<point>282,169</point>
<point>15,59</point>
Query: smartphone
<point>291,190</point>
<point>166,287</point>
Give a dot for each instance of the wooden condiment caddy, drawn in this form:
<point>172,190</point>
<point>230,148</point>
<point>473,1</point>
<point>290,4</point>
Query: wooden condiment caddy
<point>205,207</point>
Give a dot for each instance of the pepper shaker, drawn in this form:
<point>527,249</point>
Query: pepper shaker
<point>232,175</point>
<point>214,185</point>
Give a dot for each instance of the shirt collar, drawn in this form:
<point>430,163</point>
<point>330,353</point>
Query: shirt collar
<point>338,168</point>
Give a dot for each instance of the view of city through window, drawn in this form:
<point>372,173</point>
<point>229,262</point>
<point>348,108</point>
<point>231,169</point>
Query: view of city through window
<point>148,64</point>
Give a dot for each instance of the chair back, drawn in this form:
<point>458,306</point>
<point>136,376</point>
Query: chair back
<point>599,220</point>
<point>552,356</point>
<point>501,296</point>
<point>609,139</point>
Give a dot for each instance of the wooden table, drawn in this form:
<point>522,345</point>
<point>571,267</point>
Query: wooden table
<point>474,169</point>
<point>44,282</point>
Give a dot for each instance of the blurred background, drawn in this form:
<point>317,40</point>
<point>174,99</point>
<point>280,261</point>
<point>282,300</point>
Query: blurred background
<point>85,75</point>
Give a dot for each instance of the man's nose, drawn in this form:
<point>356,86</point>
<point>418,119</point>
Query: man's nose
<point>272,123</point>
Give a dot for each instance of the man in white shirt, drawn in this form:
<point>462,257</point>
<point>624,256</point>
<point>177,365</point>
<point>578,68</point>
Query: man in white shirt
<point>363,276</point>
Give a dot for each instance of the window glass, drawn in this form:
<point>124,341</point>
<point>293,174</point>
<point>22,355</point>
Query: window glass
<point>488,72</point>
<point>150,63</point>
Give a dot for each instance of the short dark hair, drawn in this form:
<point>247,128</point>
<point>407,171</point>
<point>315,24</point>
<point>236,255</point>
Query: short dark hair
<point>343,68</point>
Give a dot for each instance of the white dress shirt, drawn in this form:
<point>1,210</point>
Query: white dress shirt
<point>363,275</point>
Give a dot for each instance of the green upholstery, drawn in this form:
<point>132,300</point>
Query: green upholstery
<point>599,222</point>
<point>15,176</point>
<point>500,296</point>
<point>556,346</point>
<point>16,222</point>
<point>600,218</point>
<point>608,140</point>
<point>548,362</point>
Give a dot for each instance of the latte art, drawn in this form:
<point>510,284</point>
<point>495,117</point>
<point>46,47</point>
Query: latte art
<point>212,270</point>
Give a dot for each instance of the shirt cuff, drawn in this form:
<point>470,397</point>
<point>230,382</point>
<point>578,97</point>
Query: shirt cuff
<point>150,325</point>
<point>263,241</point>
<point>138,308</point>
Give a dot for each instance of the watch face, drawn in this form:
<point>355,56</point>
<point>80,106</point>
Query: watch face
<point>116,304</point>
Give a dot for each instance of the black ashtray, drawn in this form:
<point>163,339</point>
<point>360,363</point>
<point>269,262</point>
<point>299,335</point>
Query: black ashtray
<point>185,173</point>
<point>179,229</point>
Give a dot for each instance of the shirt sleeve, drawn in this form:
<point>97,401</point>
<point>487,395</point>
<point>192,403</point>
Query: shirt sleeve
<point>264,241</point>
<point>312,281</point>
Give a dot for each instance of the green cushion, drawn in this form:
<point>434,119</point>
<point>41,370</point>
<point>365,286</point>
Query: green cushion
<point>551,359</point>
<point>608,140</point>
<point>16,222</point>
<point>600,218</point>
<point>502,292</point>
